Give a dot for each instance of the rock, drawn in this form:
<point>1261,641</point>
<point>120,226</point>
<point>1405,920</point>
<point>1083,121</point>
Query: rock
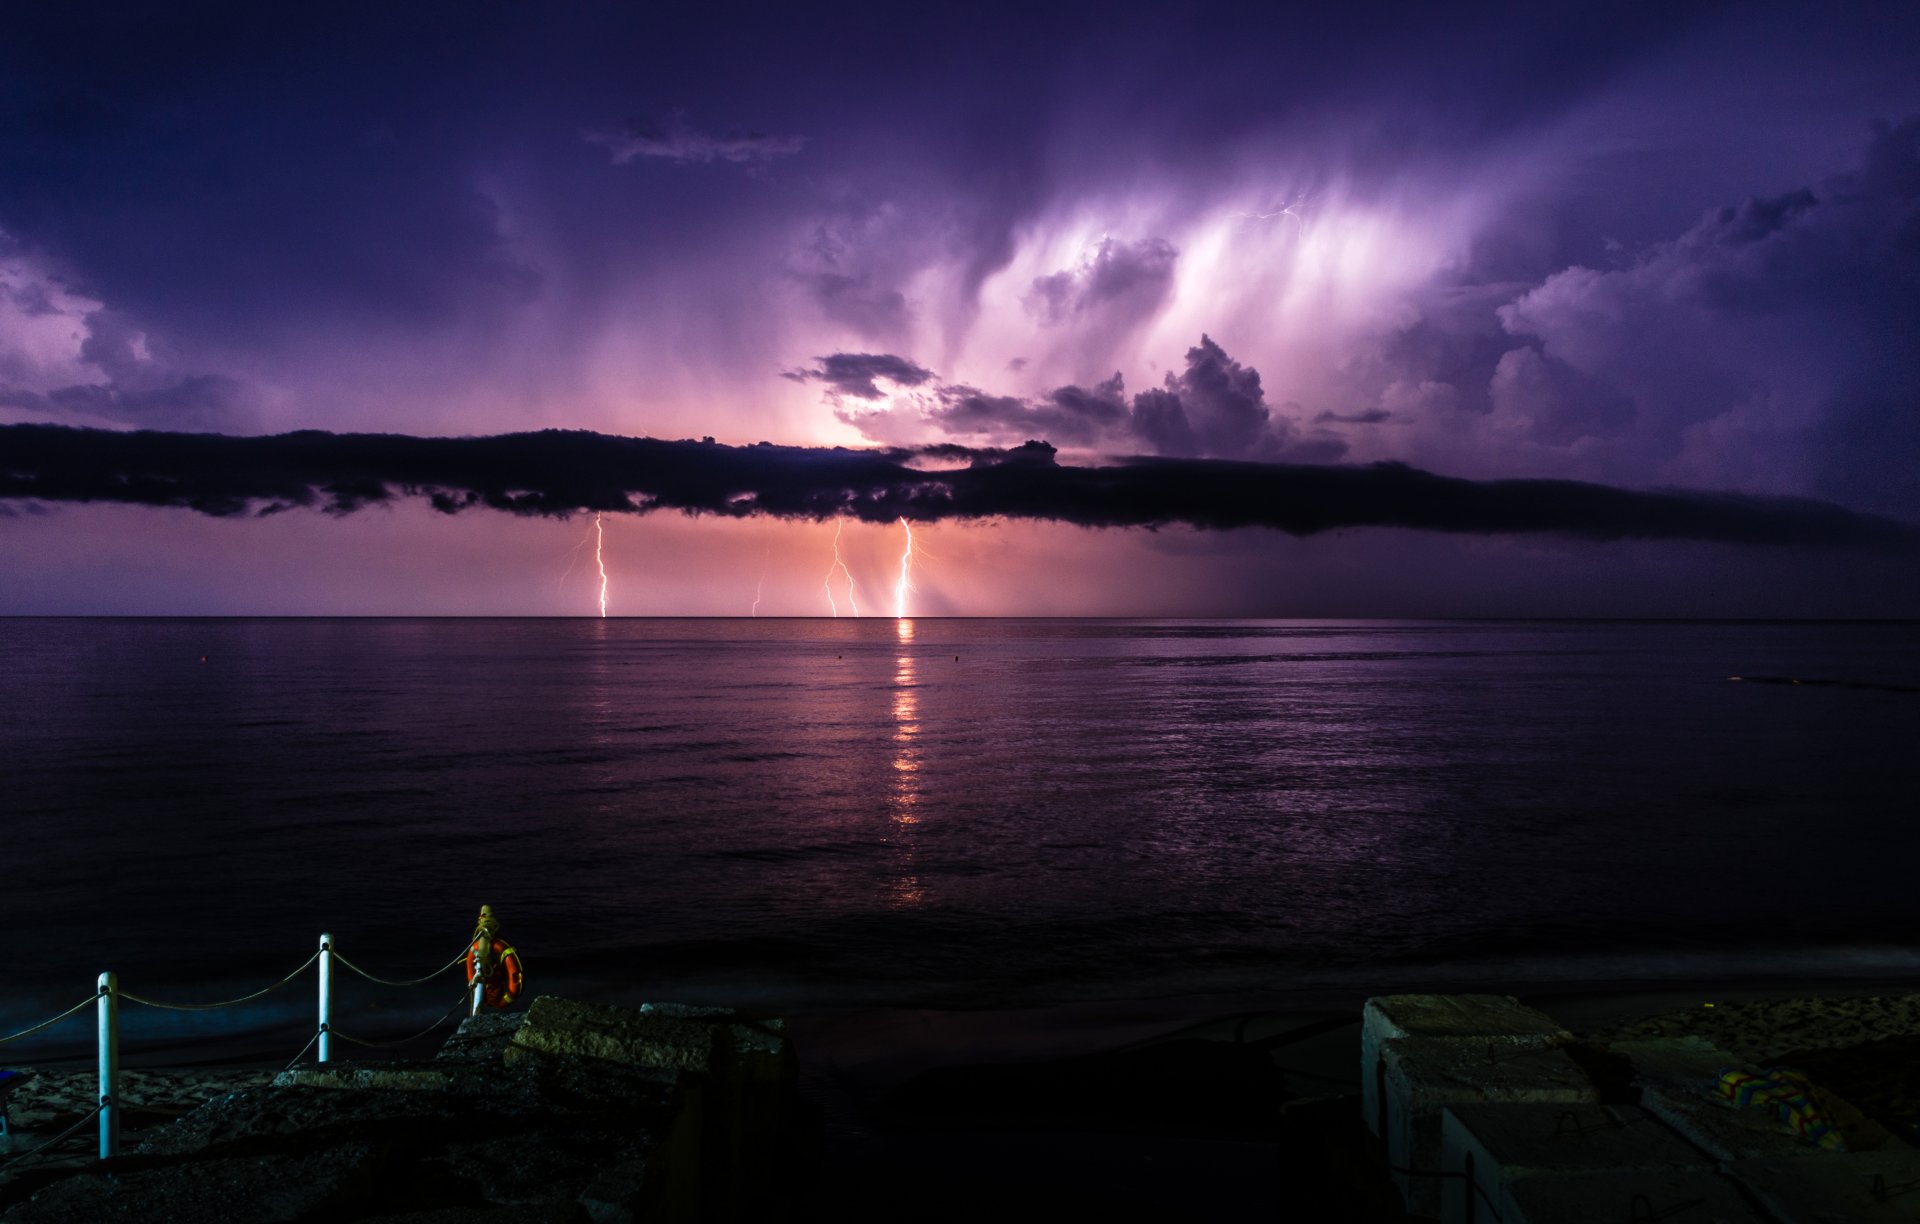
<point>328,1184</point>
<point>403,1077</point>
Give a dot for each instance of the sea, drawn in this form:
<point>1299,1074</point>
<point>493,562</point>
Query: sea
<point>805,814</point>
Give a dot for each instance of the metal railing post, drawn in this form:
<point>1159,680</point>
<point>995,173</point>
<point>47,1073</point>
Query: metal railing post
<point>109,1066</point>
<point>326,997</point>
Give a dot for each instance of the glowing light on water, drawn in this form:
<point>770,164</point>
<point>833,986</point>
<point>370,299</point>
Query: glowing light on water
<point>840,565</point>
<point>905,583</point>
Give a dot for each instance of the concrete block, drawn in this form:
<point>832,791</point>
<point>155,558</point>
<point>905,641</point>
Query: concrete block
<point>1835,1187</point>
<point>1497,1019</point>
<point>1495,1147</point>
<point>1424,1075</point>
<point>1610,1198</point>
<point>618,1034</point>
<point>482,1038</point>
<point>1675,1077</point>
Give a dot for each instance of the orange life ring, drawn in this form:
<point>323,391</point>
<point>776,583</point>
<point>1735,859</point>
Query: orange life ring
<point>505,978</point>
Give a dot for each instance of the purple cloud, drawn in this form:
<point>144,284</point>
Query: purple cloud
<point>674,139</point>
<point>859,374</point>
<point>1213,408</point>
<point>1133,278</point>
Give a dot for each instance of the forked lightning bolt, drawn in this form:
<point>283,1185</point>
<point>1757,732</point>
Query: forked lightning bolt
<point>840,565</point>
<point>599,557</point>
<point>905,583</point>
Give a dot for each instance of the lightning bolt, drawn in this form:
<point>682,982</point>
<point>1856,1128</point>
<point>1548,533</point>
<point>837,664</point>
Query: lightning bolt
<point>599,558</point>
<point>1285,210</point>
<point>840,565</point>
<point>761,587</point>
<point>905,583</point>
<point>573,559</point>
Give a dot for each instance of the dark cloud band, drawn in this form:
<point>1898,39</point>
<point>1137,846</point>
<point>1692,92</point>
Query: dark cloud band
<point>562,472</point>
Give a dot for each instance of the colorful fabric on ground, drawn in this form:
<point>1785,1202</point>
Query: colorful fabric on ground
<point>1790,1096</point>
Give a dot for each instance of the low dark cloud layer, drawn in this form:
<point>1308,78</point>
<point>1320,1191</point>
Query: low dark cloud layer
<point>563,472</point>
<point>858,374</point>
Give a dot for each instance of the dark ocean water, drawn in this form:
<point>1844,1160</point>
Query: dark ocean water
<point>947,813</point>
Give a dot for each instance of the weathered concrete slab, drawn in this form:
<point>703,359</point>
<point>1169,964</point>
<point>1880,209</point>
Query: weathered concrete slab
<point>1696,1198</point>
<point>481,1038</point>
<point>620,1035</point>
<point>1836,1188</point>
<point>750,1111</point>
<point>1497,1019</point>
<point>1424,1075</point>
<point>1676,1077</point>
<point>1494,1147</point>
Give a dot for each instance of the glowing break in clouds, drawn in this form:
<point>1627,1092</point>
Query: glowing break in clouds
<point>558,473</point>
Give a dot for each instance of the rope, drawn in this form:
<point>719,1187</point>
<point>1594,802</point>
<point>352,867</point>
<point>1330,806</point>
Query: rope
<point>28,1032</point>
<point>59,1138</point>
<point>303,1050</point>
<point>457,958</point>
<point>134,998</point>
<point>461,1002</point>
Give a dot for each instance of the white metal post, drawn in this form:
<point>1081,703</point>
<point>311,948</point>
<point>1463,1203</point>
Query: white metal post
<point>109,1066</point>
<point>326,997</point>
<point>479,992</point>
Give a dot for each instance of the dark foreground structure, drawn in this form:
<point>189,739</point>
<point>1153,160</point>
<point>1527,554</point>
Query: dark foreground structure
<point>1467,1109</point>
<point>565,1112</point>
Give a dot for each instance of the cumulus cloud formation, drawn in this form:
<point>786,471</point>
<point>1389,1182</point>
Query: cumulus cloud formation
<point>68,357</point>
<point>1212,408</point>
<point>562,472</point>
<point>675,139</point>
<point>1770,343</point>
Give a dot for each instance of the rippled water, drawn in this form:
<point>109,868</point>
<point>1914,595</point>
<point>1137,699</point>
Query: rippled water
<point>950,812</point>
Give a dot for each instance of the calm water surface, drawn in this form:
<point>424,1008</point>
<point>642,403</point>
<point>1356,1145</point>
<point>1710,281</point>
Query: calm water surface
<point>949,812</point>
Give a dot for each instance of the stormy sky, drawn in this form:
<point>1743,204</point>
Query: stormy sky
<point>1377,310</point>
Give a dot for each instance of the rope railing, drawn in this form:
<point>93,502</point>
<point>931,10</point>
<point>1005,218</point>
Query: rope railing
<point>58,1139</point>
<point>28,1032</point>
<point>109,995</point>
<point>130,997</point>
<point>419,981</point>
<point>459,1004</point>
